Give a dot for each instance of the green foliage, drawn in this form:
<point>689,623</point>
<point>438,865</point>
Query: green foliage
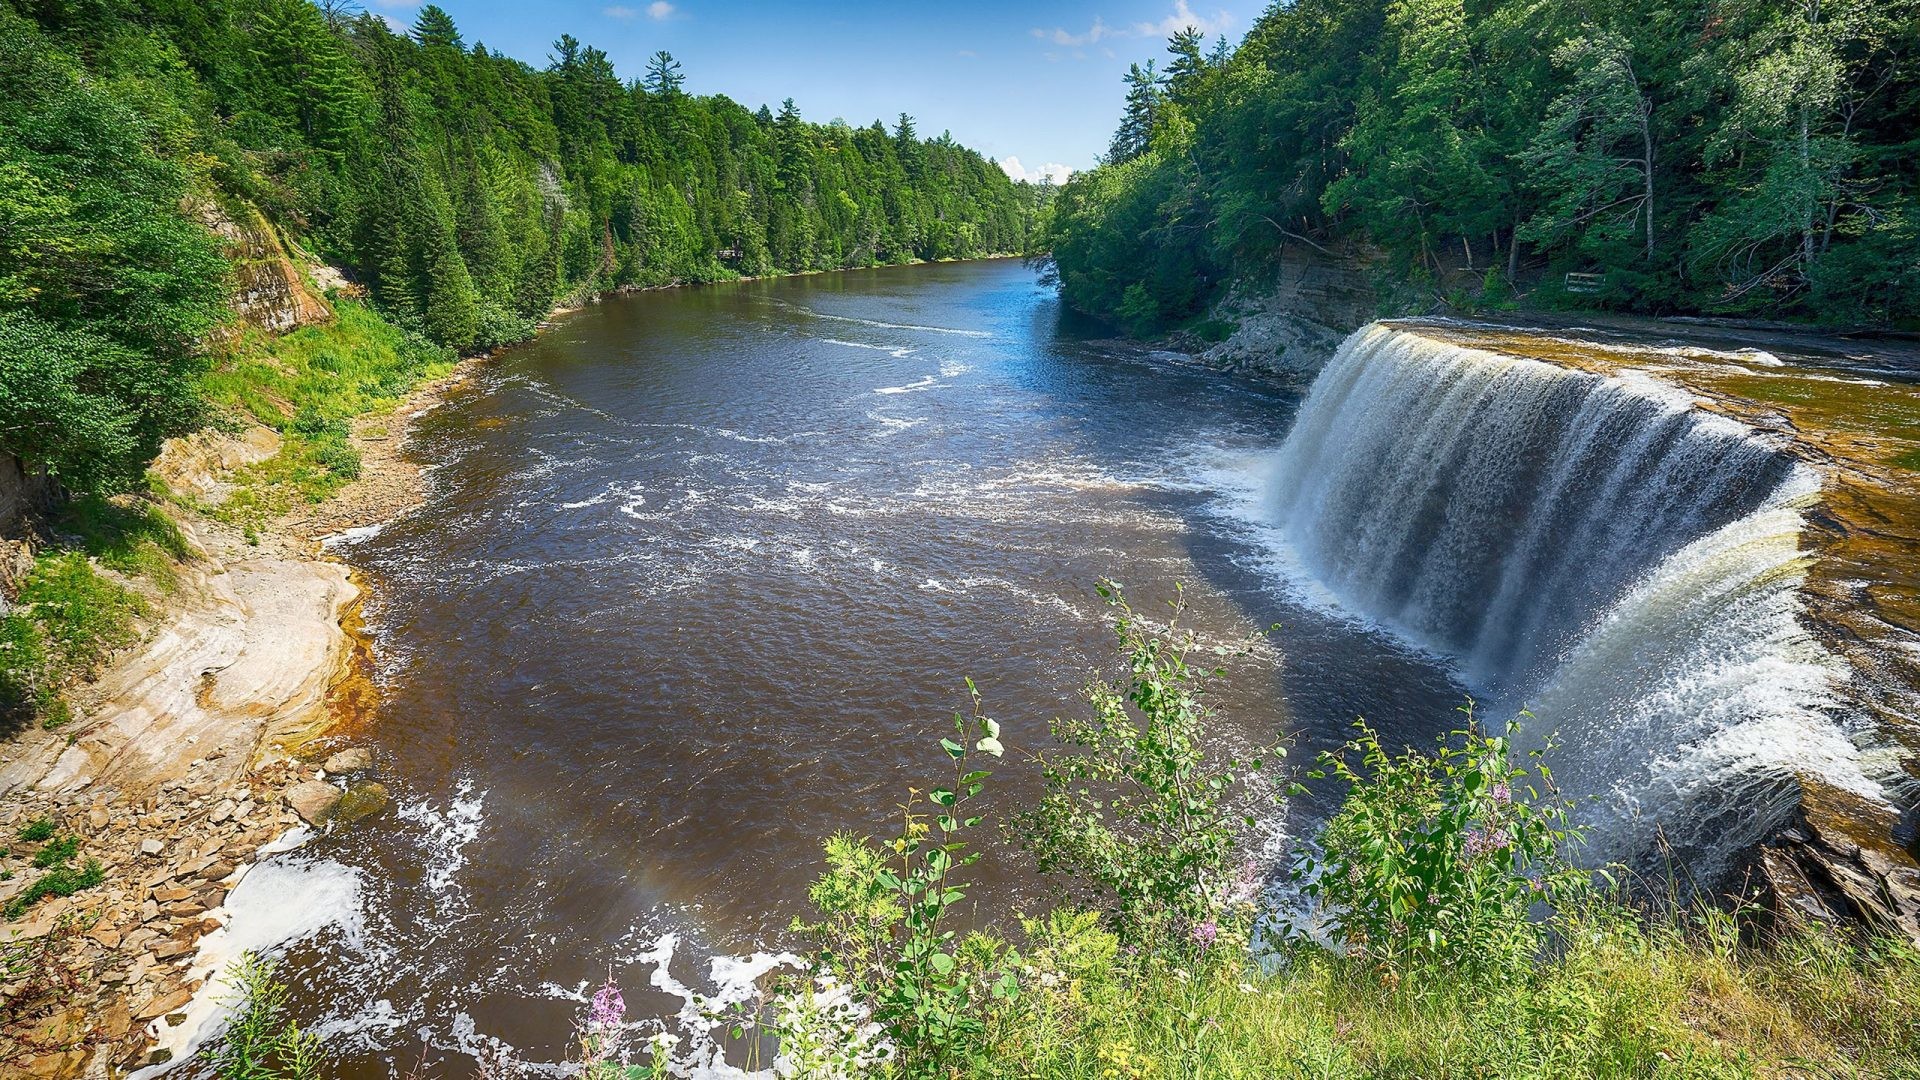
<point>56,858</point>
<point>57,852</point>
<point>39,829</point>
<point>261,1043</point>
<point>60,881</point>
<point>1139,819</point>
<point>67,620</point>
<point>106,282</point>
<point>1437,858</point>
<point>1746,156</point>
<point>887,927</point>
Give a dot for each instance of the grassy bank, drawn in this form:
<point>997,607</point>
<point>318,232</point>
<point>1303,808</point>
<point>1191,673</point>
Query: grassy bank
<point>1620,995</point>
<point>310,386</point>
<point>82,600</point>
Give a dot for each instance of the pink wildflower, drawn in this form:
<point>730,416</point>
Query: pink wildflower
<point>608,1009</point>
<point>1502,794</point>
<point>1206,933</point>
<point>1484,841</point>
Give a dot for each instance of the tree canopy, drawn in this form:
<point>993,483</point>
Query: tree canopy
<point>1730,156</point>
<point>466,191</point>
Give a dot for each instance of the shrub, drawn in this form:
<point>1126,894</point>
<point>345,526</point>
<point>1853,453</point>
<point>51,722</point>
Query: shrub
<point>1438,858</point>
<point>61,881</point>
<point>885,928</point>
<point>1139,820</point>
<point>261,1042</point>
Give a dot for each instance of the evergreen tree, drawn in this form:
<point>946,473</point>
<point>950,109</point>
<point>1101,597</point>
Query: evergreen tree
<point>434,27</point>
<point>663,75</point>
<point>1144,95</point>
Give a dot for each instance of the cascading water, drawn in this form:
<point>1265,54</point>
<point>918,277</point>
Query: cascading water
<point>1589,547</point>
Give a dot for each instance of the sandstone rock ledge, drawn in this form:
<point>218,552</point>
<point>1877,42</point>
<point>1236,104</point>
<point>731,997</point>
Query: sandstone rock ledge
<point>171,778</point>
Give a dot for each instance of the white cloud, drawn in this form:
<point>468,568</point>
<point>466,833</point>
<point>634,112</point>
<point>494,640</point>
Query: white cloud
<point>1059,35</point>
<point>660,9</point>
<point>618,11</point>
<point>1012,167</point>
<point>1182,17</point>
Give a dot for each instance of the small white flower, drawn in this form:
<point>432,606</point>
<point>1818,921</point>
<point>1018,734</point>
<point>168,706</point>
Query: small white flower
<point>1180,974</point>
<point>1049,979</point>
<point>1248,988</point>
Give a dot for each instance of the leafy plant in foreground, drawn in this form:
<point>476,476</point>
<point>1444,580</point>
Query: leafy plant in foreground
<point>262,1043</point>
<point>1438,857</point>
<point>885,929</point>
<point>1140,821</point>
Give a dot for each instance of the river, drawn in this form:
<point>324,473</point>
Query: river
<point>698,584</point>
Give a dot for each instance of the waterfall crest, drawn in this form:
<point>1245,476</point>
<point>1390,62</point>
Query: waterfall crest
<point>1589,547</point>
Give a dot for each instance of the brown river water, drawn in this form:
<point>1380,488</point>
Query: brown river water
<point>698,584</point>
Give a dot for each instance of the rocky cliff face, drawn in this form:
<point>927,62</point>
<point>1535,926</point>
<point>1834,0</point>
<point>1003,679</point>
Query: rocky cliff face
<point>270,291</point>
<point>1292,325</point>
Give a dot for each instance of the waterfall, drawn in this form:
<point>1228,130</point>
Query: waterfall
<point>1591,548</point>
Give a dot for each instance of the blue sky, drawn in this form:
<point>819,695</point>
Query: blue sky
<point>1038,83</point>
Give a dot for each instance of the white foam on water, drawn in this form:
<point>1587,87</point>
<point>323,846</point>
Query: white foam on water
<point>894,425</point>
<point>898,353</point>
<point>275,902</point>
<point>359,534</point>
<point>889,325</point>
<point>923,383</point>
<point>446,834</point>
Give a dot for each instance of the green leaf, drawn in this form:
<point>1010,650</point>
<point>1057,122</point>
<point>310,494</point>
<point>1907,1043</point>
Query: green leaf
<point>954,749</point>
<point>941,962</point>
<point>990,746</point>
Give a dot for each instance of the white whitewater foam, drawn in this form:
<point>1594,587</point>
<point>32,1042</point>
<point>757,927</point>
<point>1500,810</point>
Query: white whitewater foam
<point>274,903</point>
<point>447,833</point>
<point>348,537</point>
<point>924,382</point>
<point>890,325</point>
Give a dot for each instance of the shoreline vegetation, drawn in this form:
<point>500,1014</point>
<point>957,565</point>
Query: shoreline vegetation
<point>1726,158</point>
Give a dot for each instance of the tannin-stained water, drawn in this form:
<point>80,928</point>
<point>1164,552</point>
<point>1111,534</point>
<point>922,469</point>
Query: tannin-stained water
<point>698,585</point>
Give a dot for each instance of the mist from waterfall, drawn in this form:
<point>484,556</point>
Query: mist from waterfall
<point>1590,548</point>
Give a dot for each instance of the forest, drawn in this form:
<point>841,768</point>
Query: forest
<point>1739,157</point>
<point>464,191</point>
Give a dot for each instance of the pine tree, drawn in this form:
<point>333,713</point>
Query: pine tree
<point>434,27</point>
<point>1184,73</point>
<point>664,78</point>
<point>1144,96</point>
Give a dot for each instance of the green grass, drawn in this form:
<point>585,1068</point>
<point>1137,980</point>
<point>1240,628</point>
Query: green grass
<point>1622,997</point>
<point>309,386</point>
<point>64,881</point>
<point>68,619</point>
<point>57,853</point>
<point>41,828</point>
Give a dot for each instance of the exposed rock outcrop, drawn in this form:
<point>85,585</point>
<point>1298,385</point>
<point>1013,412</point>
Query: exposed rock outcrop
<point>1292,326</point>
<point>270,292</point>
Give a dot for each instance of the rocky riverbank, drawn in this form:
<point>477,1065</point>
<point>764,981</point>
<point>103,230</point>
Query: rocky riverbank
<point>188,754</point>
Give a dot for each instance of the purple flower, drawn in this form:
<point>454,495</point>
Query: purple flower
<point>1484,840</point>
<point>1502,794</point>
<point>608,1009</point>
<point>1205,933</point>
